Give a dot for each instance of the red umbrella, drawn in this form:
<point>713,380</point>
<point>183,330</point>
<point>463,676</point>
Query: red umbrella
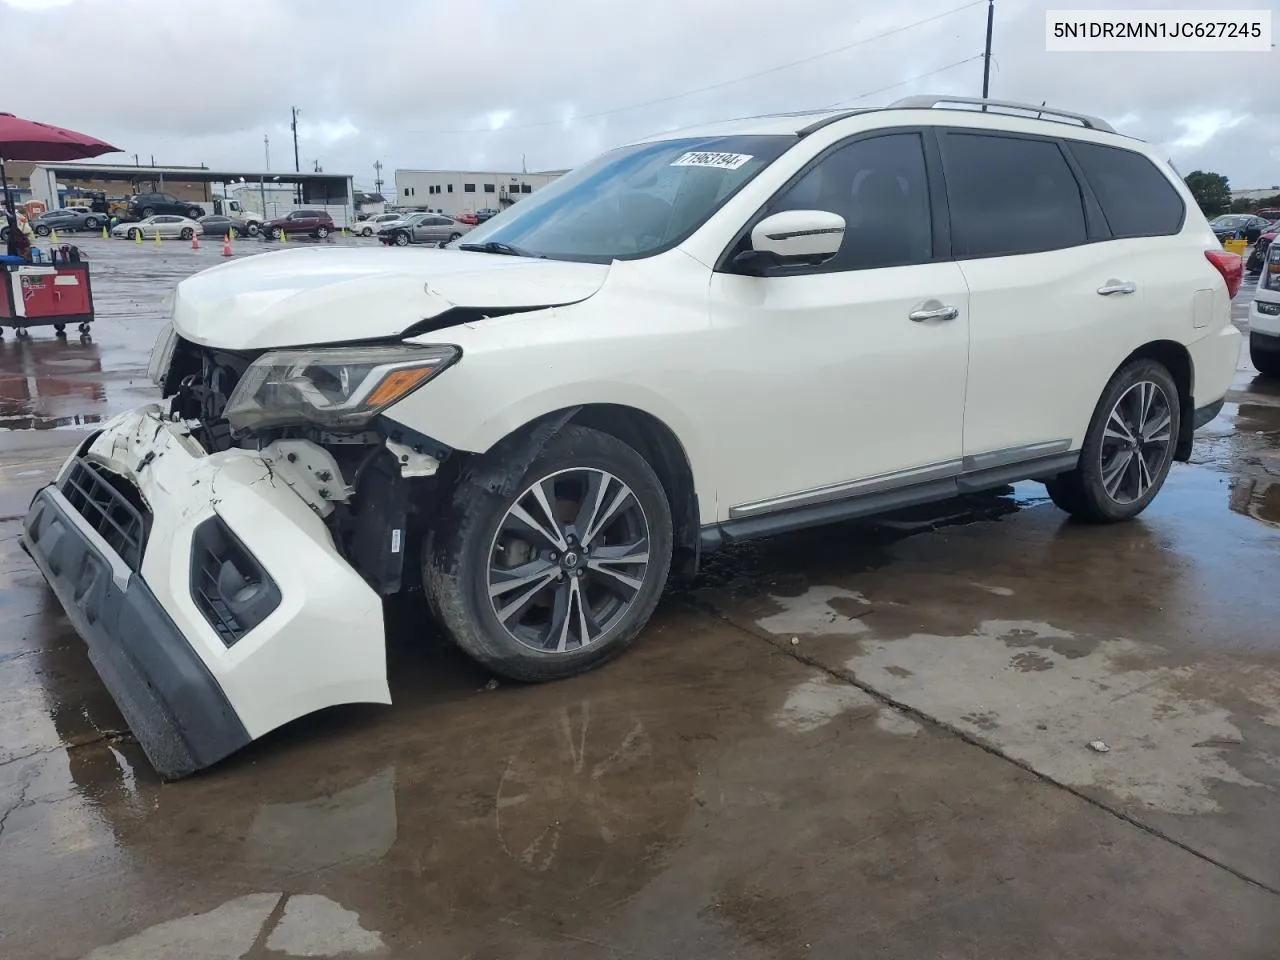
<point>31,140</point>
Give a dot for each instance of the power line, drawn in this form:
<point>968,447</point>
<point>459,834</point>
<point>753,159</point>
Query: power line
<point>903,83</point>
<point>716,86</point>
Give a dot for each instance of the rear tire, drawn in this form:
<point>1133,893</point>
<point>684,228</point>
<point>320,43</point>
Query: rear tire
<point>187,233</point>
<point>367,232</point>
<point>43,230</point>
<point>322,232</point>
<point>135,234</point>
<point>1267,361</point>
<point>1128,448</point>
<point>276,233</point>
<point>91,223</point>
<point>251,229</point>
<point>480,548</point>
<point>148,212</point>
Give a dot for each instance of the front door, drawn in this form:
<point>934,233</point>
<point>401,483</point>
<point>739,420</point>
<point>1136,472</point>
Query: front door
<point>845,378</point>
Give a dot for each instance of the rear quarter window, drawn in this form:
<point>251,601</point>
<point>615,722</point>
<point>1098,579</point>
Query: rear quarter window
<point>1136,198</point>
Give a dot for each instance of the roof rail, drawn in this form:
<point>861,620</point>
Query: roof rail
<point>927,101</point>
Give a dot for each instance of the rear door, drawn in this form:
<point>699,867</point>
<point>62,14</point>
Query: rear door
<point>1054,304</point>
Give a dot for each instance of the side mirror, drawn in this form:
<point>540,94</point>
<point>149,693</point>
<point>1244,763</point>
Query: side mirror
<point>793,237</point>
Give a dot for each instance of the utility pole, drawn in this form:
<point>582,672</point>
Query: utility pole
<point>266,145</point>
<point>377,180</point>
<point>293,124</point>
<point>986,57</point>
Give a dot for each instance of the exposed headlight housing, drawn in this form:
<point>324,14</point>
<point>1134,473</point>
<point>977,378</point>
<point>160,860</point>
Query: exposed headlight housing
<point>333,387</point>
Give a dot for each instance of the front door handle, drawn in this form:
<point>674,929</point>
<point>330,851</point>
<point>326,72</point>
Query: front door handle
<point>1113,287</point>
<point>927,312</point>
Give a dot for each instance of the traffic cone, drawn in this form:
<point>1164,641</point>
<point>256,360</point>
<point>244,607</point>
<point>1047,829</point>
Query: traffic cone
<point>226,245</point>
<point>284,237</point>
<point>195,242</point>
<point>105,236</point>
<point>343,233</point>
<point>157,236</point>
<point>53,237</point>
<point>137,236</point>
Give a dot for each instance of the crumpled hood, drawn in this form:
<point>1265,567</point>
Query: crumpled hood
<point>303,297</point>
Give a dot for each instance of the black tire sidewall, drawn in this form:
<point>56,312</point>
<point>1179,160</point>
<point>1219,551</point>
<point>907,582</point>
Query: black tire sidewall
<point>1090,468</point>
<point>186,234</point>
<point>1267,361</point>
<point>463,603</point>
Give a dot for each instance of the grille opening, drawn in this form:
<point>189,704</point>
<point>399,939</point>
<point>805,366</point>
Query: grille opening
<point>229,586</point>
<point>112,507</point>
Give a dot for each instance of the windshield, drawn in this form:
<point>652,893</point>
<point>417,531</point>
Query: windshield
<point>631,202</point>
<point>1230,220</point>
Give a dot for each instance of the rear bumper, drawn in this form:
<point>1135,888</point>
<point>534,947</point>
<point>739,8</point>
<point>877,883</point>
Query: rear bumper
<point>197,665</point>
<point>169,698</point>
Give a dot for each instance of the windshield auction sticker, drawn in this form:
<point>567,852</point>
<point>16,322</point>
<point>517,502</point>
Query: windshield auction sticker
<point>721,161</point>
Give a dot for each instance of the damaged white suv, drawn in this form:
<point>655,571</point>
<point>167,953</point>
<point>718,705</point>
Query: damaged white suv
<point>703,337</point>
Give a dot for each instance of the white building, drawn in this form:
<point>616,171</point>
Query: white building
<point>463,191</point>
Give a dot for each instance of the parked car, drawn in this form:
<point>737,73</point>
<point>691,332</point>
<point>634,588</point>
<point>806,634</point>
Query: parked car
<point>316,223</point>
<point>1258,255</point>
<point>218,225</point>
<point>371,225</point>
<point>469,219</point>
<point>66,220</point>
<point>24,226</point>
<point>693,340</point>
<point>166,225</point>
<point>144,205</point>
<point>422,228</point>
<point>1244,225</point>
<point>487,213</point>
<point>1264,317</point>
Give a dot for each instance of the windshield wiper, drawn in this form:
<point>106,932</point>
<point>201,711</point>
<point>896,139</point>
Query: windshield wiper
<point>497,246</point>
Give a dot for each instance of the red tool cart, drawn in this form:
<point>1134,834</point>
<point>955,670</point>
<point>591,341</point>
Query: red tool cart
<point>41,295</point>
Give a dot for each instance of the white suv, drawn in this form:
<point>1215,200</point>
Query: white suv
<point>1264,317</point>
<point>715,334</point>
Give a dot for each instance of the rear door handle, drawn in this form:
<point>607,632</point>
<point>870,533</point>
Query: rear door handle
<point>1113,287</point>
<point>939,312</point>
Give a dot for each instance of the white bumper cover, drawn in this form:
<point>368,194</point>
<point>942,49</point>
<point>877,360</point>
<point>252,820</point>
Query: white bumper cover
<point>324,644</point>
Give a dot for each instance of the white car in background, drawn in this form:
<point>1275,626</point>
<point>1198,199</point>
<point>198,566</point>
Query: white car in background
<point>711,335</point>
<point>370,227</point>
<point>164,224</point>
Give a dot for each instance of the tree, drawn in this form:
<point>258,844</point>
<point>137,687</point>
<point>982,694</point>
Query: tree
<point>1211,190</point>
<point>1243,205</point>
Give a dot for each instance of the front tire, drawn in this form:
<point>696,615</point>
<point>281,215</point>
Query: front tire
<point>187,233</point>
<point>251,229</point>
<point>367,232</point>
<point>276,233</point>
<point>135,234</point>
<point>560,568</point>
<point>402,240</point>
<point>148,212</point>
<point>43,230</point>
<point>1266,360</point>
<point>1128,448</point>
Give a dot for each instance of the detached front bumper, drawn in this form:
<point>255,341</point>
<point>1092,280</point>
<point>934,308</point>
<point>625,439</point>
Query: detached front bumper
<point>213,602</point>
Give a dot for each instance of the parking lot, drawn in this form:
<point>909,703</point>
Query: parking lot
<point>976,730</point>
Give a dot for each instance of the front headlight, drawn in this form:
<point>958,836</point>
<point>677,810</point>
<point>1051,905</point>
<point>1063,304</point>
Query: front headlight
<point>333,387</point>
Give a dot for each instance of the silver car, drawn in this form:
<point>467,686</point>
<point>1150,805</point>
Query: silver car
<point>165,224</point>
<point>423,228</point>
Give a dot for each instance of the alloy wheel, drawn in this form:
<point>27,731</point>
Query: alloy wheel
<point>1136,442</point>
<point>568,560</point>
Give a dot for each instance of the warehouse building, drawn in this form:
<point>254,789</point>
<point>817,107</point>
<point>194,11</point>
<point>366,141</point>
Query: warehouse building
<point>452,192</point>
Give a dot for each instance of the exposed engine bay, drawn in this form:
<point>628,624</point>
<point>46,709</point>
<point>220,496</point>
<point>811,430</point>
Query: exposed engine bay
<point>375,487</point>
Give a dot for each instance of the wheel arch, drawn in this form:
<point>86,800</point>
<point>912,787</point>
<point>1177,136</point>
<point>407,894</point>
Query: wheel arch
<point>1175,358</point>
<point>649,436</point>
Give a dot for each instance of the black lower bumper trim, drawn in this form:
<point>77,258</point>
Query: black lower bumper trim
<point>1204,414</point>
<point>169,698</point>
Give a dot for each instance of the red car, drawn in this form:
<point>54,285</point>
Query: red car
<point>470,219</point>
<point>316,223</point>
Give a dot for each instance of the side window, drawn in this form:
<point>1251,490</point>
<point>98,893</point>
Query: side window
<point>468,188</point>
<point>1136,198</point>
<point>1010,195</point>
<point>880,187</point>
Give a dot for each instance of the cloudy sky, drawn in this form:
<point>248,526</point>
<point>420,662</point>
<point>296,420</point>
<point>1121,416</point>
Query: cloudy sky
<point>481,84</point>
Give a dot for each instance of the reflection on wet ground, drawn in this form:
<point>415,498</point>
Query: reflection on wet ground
<point>874,734</point>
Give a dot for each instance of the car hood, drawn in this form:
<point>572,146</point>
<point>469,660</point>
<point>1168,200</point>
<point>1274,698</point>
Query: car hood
<point>303,297</point>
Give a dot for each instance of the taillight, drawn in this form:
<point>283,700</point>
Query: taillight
<point>1231,266</point>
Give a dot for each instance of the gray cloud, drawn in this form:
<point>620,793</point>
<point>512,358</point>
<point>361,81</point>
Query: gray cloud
<point>481,83</point>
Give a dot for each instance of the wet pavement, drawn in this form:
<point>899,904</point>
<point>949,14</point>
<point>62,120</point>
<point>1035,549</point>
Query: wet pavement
<point>869,740</point>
